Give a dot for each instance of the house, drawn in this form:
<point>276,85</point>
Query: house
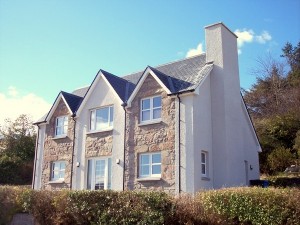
<point>177,127</point>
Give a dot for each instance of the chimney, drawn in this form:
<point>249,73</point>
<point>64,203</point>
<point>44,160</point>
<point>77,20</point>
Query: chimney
<point>221,49</point>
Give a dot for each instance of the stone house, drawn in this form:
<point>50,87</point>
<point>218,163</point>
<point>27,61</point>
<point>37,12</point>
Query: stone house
<point>177,127</point>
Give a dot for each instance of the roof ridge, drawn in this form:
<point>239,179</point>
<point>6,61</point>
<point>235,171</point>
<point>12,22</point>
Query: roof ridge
<point>175,61</point>
<point>113,75</point>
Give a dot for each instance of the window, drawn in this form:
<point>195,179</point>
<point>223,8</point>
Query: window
<point>58,170</point>
<point>150,165</point>
<point>61,125</point>
<point>99,174</point>
<point>151,109</point>
<point>204,164</point>
<point>102,118</point>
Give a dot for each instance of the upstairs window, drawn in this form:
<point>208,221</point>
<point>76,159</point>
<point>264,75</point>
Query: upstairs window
<point>102,118</point>
<point>150,165</point>
<point>151,109</point>
<point>61,126</point>
<point>58,170</point>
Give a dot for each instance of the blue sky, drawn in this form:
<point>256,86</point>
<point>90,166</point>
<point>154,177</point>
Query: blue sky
<point>53,45</point>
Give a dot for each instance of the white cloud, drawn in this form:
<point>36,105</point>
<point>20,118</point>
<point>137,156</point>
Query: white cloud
<point>12,91</point>
<point>248,36</point>
<point>244,36</point>
<point>12,104</point>
<point>195,51</point>
<point>263,38</point>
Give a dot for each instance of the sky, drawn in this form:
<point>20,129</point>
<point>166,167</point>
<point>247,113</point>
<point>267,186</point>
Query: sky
<point>51,45</point>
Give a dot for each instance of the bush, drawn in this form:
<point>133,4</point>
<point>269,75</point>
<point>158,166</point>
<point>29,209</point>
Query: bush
<point>279,159</point>
<point>254,205</point>
<point>226,206</point>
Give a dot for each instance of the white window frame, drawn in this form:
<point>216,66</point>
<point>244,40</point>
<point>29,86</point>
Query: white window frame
<point>151,109</point>
<point>150,165</point>
<point>204,163</point>
<point>60,171</point>
<point>107,179</point>
<point>109,123</point>
<point>63,127</point>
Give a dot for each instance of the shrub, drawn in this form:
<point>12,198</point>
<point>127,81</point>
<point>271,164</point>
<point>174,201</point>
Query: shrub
<point>254,205</point>
<point>226,206</point>
<point>279,159</point>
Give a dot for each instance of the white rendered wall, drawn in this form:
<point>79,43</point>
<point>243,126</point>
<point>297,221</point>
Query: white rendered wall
<point>39,157</point>
<point>227,132</point>
<point>203,135</point>
<point>187,143</point>
<point>102,95</point>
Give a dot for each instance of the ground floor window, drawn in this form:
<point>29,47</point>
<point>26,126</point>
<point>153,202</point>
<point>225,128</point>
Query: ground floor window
<point>150,165</point>
<point>58,170</point>
<point>99,174</point>
<point>204,156</point>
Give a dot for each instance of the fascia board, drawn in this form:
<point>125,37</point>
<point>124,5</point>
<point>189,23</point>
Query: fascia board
<point>204,78</point>
<point>87,95</point>
<point>59,97</point>
<point>111,87</point>
<point>140,83</point>
<point>250,123</point>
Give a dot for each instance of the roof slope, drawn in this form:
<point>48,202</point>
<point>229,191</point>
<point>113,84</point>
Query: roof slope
<point>178,76</point>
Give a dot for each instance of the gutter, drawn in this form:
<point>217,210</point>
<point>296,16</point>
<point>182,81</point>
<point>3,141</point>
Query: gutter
<point>179,149</point>
<point>35,156</point>
<point>124,105</point>
<point>181,92</point>
<point>73,150</point>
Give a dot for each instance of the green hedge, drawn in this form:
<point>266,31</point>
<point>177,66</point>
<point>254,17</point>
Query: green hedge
<point>225,206</point>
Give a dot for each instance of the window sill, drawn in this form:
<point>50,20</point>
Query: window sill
<point>205,178</point>
<point>59,137</point>
<point>56,182</point>
<point>99,131</point>
<point>145,179</point>
<point>150,122</point>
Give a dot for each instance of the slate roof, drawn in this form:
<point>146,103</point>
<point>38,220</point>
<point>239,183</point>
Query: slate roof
<point>72,100</point>
<point>178,76</point>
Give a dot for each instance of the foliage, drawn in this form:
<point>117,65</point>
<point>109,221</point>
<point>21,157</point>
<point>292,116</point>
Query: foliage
<point>274,105</point>
<point>279,159</point>
<point>225,206</point>
<point>17,146</point>
<point>254,205</point>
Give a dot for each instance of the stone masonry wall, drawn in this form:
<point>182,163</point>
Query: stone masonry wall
<point>57,149</point>
<point>98,144</point>
<point>158,137</point>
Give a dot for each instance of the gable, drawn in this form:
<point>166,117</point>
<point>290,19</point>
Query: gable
<point>145,80</point>
<point>101,77</point>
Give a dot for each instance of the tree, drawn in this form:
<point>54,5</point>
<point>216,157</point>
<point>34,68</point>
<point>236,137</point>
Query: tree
<point>274,105</point>
<point>17,146</point>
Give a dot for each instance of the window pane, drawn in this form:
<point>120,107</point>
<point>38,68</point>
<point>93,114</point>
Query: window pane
<point>156,158</point>
<point>55,175</point>
<point>145,159</point>
<point>157,113</point>
<point>145,170</point>
<point>58,130</point>
<point>111,111</point>
<point>203,169</point>
<point>146,115</point>
<point>145,104</point>
<point>92,125</point>
<point>109,173</point>
<point>65,129</point>
<point>89,174</point>
<point>157,102</point>
<point>156,169</point>
<point>62,165</point>
<point>102,118</point>
<point>203,157</point>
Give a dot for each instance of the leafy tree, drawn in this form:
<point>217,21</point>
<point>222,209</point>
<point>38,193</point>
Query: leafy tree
<point>279,159</point>
<point>274,105</point>
<point>17,147</point>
